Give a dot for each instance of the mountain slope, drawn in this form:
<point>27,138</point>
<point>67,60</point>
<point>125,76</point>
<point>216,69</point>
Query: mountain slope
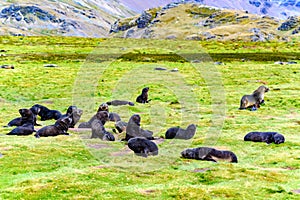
<point>198,22</point>
<point>87,18</point>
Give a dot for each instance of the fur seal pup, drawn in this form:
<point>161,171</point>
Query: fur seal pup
<point>47,114</point>
<point>19,121</point>
<point>255,99</point>
<point>27,123</point>
<point>209,154</point>
<point>143,98</point>
<point>103,116</point>
<point>114,117</point>
<point>75,113</point>
<point>133,129</point>
<point>267,137</point>
<point>121,126</point>
<point>103,107</point>
<point>60,127</point>
<point>143,147</point>
<point>98,131</point>
<point>180,133</point>
<point>119,103</point>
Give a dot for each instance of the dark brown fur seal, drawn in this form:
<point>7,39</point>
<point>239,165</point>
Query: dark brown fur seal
<point>255,99</point>
<point>267,137</point>
<point>47,114</point>
<point>143,98</point>
<point>179,133</point>
<point>26,121</point>
<point>19,121</point>
<point>103,107</point>
<point>60,127</point>
<point>142,147</point>
<point>133,129</point>
<point>209,154</point>
<point>120,103</point>
<point>75,113</point>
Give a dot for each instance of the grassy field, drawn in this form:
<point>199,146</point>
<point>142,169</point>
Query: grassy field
<point>93,71</point>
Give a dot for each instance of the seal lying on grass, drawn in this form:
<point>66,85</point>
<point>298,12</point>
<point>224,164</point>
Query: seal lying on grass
<point>47,114</point>
<point>267,137</point>
<point>179,133</point>
<point>209,154</point>
<point>26,121</point>
<point>60,127</point>
<point>143,147</point>
<point>120,103</point>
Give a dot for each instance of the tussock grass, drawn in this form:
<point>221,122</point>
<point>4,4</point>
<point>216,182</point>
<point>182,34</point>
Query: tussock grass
<point>77,167</point>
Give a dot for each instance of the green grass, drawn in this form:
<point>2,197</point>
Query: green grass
<point>93,71</point>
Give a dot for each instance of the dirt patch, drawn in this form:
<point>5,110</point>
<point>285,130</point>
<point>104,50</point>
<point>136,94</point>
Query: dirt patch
<point>80,129</point>
<point>296,191</point>
<point>159,140</point>
<point>123,152</point>
<point>290,168</point>
<point>201,170</point>
<point>99,167</point>
<point>147,191</point>
<point>48,102</point>
<point>98,146</point>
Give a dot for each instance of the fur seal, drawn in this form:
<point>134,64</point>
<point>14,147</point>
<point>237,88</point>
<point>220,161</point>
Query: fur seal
<point>209,154</point>
<point>143,98</point>
<point>143,147</point>
<point>103,107</point>
<point>102,116</point>
<point>75,113</point>
<point>133,129</point>
<point>255,99</point>
<point>120,103</point>
<point>114,117</point>
<point>47,114</point>
<point>179,133</point>
<point>27,122</point>
<point>19,121</point>
<point>121,126</point>
<point>98,130</point>
<point>60,127</point>
<point>267,137</point>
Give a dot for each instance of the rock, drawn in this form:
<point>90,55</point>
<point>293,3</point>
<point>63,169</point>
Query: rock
<point>219,63</point>
<point>129,33</point>
<point>289,24</point>
<point>174,70</point>
<point>171,37</point>
<point>193,37</point>
<point>50,65</point>
<point>160,68</point>
<point>144,20</point>
<point>7,67</point>
<point>279,63</point>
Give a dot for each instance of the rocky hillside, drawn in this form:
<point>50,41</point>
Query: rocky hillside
<point>275,8</point>
<point>86,18</point>
<point>198,22</point>
<point>127,18</point>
